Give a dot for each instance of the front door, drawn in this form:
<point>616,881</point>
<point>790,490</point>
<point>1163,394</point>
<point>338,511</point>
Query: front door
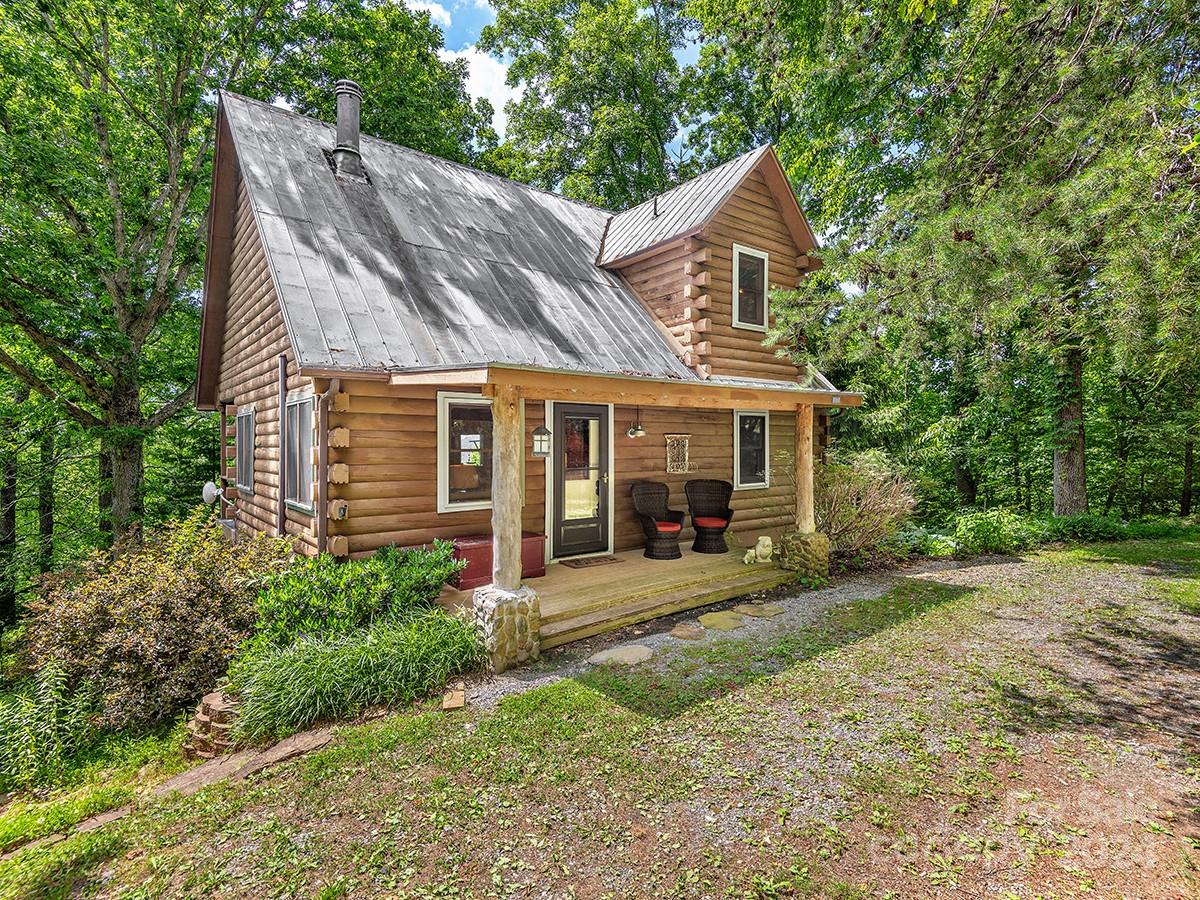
<point>581,489</point>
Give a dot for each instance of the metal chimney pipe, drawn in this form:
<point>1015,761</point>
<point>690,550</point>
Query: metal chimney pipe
<point>347,158</point>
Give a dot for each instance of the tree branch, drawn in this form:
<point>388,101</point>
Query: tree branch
<point>29,377</point>
<point>171,407</point>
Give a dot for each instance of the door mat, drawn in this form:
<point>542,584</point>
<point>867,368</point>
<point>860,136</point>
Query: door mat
<point>590,561</point>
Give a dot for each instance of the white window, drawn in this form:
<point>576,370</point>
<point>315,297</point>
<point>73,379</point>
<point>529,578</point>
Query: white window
<point>749,288</point>
<point>297,458</point>
<point>244,450</point>
<point>751,449</point>
<point>464,452</point>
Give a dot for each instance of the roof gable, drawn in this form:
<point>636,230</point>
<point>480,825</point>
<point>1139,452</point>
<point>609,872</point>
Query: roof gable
<point>685,210</point>
<point>430,264</point>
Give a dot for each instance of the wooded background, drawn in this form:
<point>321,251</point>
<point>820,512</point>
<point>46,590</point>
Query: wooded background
<point>1006,193</point>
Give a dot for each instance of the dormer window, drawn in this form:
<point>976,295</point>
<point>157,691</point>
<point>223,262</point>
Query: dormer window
<point>749,288</point>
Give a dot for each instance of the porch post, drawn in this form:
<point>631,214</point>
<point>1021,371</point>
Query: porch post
<point>805,550</point>
<point>507,613</point>
<point>508,446</point>
<point>805,518</point>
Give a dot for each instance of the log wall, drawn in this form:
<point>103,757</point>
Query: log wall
<point>391,470</point>
<point>689,285</point>
<point>254,337</point>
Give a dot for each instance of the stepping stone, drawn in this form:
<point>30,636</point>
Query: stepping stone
<point>296,745</point>
<point>629,655</point>
<point>206,773</point>
<point>759,610</point>
<point>688,631</point>
<point>725,620</point>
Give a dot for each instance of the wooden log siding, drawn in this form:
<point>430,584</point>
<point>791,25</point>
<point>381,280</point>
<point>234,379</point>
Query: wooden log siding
<point>689,285</point>
<point>392,460</point>
<point>254,337</point>
<point>392,465</point>
<point>770,510</point>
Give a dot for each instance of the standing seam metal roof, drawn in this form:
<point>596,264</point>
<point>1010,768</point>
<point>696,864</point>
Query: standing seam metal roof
<point>430,264</point>
<point>676,212</point>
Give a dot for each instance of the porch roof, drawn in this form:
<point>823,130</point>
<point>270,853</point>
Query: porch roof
<point>721,392</point>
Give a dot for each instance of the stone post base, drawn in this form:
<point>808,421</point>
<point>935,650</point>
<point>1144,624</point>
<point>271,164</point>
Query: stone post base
<point>510,622</point>
<point>807,554</point>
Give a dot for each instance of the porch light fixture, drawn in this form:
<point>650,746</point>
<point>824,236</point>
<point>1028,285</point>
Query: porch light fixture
<point>541,441</point>
<point>636,430</point>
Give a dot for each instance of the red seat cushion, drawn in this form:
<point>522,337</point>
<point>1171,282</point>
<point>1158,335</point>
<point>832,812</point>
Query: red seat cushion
<point>668,527</point>
<point>710,522</point>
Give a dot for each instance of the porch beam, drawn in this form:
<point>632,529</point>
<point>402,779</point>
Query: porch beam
<point>580,388</point>
<point>508,443</point>
<point>805,512</point>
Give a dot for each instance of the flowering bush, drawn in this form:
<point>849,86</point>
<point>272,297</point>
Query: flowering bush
<point>151,627</point>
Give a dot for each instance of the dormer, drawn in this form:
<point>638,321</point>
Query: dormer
<point>705,256</point>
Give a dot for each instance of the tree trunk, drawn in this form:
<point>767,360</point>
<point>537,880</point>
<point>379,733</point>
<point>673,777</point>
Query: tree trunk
<point>1119,476</point>
<point>1185,494</point>
<point>104,477</point>
<point>8,538</point>
<point>47,468</point>
<point>1070,463</point>
<point>964,481</point>
<point>127,500</point>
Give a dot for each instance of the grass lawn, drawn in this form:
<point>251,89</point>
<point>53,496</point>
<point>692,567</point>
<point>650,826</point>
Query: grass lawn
<point>1004,728</point>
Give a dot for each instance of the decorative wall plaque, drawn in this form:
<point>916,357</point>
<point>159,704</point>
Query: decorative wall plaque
<point>678,462</point>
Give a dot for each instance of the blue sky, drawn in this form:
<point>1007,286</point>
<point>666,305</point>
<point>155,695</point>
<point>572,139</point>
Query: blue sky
<point>461,21</point>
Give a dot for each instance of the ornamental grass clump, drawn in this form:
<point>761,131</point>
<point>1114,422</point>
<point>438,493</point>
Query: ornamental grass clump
<point>321,678</point>
<point>42,724</point>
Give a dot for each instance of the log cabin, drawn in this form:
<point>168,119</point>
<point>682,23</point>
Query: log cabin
<point>403,348</point>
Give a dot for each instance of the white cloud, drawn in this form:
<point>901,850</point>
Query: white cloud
<point>438,13</point>
<point>486,78</point>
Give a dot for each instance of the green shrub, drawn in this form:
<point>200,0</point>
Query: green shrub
<point>321,597</point>
<point>153,626</point>
<point>320,678</point>
<point>41,725</point>
<point>1087,528</point>
<point>860,501</point>
<point>992,531</point>
<point>915,540</point>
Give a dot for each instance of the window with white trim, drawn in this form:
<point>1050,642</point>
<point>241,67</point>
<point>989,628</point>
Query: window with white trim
<point>749,288</point>
<point>298,468</point>
<point>243,441</point>
<point>751,449</point>
<point>464,452</point>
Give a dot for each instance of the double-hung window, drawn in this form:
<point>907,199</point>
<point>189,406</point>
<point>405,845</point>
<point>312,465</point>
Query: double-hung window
<point>751,449</point>
<point>244,450</point>
<point>749,288</point>
<point>297,457</point>
<point>464,446</point>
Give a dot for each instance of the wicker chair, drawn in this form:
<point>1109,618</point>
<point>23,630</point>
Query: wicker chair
<point>708,503</point>
<point>661,525</point>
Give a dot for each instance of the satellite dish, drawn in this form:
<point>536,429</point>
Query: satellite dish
<point>210,493</point>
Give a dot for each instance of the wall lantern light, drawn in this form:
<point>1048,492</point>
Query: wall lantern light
<point>636,430</point>
<point>541,441</point>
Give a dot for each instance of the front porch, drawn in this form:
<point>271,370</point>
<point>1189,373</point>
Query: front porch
<point>580,602</point>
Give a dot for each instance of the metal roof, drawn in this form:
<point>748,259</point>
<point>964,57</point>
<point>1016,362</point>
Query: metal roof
<point>431,264</point>
<point>676,213</point>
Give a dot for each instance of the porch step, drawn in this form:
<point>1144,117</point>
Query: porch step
<point>579,624</point>
<point>634,592</point>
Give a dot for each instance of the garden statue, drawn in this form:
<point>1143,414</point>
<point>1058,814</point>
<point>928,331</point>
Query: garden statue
<point>760,552</point>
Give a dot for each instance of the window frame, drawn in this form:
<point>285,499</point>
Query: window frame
<point>738,251</point>
<point>244,412</point>
<point>298,399</point>
<point>444,401</point>
<point>738,484</point>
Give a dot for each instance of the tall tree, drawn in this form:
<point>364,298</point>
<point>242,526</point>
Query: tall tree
<point>1022,177</point>
<point>106,132</point>
<point>601,99</point>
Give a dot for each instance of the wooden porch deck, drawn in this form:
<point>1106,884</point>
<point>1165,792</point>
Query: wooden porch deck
<point>579,603</point>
